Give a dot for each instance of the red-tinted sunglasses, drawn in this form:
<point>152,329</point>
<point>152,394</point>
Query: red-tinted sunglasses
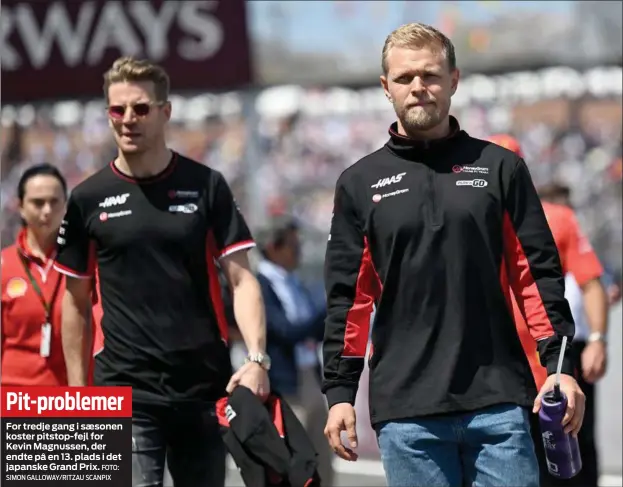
<point>117,112</point>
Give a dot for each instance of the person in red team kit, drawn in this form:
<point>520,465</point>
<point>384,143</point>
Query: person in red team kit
<point>32,353</point>
<point>588,353</point>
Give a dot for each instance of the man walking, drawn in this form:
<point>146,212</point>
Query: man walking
<point>151,226</point>
<point>434,229</point>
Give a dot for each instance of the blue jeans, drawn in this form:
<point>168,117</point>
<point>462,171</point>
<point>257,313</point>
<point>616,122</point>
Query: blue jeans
<point>188,438</point>
<point>491,447</point>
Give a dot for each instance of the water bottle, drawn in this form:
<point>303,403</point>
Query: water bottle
<point>562,451</point>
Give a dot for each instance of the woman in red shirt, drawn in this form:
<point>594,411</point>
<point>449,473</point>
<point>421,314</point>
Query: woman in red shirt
<point>32,290</point>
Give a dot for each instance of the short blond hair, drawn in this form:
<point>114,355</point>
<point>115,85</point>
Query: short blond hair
<point>417,36</point>
<point>128,69</point>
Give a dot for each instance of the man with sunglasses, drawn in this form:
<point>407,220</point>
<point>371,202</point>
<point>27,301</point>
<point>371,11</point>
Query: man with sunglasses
<point>152,226</point>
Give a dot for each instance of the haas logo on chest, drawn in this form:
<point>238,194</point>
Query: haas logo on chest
<point>119,199</point>
<point>386,181</point>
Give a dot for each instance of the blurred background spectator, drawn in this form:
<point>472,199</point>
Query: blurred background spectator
<point>283,96</point>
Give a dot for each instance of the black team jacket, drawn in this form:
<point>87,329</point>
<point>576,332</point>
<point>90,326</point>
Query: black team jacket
<point>268,443</point>
<point>435,235</point>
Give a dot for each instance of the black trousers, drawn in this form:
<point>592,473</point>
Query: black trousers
<point>589,475</point>
<point>188,438</point>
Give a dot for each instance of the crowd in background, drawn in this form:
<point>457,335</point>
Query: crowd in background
<point>298,155</point>
<point>294,155</point>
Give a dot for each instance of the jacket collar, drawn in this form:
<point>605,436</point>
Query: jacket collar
<point>409,148</point>
<point>24,249</point>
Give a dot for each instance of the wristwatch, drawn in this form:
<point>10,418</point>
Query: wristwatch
<point>259,358</point>
<point>597,336</point>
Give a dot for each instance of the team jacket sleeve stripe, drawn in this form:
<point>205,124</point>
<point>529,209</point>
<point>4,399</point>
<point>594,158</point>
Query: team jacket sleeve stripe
<point>97,313</point>
<point>529,298</point>
<point>358,317</point>
<point>91,264</point>
<point>348,281</point>
<point>216,299</point>
<point>527,341</point>
<point>231,249</point>
<point>534,269</point>
<point>229,228</point>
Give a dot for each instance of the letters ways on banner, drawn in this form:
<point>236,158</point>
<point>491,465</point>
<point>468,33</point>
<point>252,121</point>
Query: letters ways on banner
<point>68,45</point>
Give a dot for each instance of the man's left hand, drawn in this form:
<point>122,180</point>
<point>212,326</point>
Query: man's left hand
<point>594,361</point>
<point>252,376</point>
<point>574,415</point>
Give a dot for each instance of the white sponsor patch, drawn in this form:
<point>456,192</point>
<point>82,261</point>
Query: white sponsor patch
<point>470,169</point>
<point>106,216</point>
<point>475,183</point>
<point>378,197</point>
<point>119,199</point>
<point>229,413</point>
<point>188,208</point>
<point>396,178</point>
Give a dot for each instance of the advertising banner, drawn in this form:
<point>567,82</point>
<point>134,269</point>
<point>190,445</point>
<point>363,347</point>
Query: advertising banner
<point>61,49</point>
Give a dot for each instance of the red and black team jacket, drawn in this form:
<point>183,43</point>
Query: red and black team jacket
<point>267,441</point>
<point>435,235</point>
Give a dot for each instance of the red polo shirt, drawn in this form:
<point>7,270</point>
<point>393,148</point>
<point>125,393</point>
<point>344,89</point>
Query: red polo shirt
<point>577,257</point>
<point>23,316</point>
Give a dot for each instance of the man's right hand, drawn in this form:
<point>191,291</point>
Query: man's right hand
<point>342,417</point>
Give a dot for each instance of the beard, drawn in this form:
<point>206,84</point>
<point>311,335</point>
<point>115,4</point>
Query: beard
<point>420,119</point>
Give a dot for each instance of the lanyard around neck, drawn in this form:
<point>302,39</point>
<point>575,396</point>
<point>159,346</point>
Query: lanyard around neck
<point>47,306</point>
